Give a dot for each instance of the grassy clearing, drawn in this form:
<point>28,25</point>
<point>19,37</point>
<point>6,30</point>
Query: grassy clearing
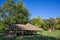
<point>52,34</point>
<point>55,35</point>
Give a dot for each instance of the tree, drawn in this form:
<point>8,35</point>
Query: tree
<point>57,26</point>
<point>52,23</point>
<point>45,24</point>
<point>14,13</point>
<point>37,22</point>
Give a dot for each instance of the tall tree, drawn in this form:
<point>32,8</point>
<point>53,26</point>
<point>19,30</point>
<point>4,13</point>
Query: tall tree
<point>14,13</point>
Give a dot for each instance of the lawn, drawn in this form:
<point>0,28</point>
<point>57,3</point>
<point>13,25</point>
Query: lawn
<point>54,35</point>
<point>51,34</point>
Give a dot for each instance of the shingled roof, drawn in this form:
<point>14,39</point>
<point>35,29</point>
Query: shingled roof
<point>28,26</point>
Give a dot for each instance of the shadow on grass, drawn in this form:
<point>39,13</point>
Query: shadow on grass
<point>31,38</point>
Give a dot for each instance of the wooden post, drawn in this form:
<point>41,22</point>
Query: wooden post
<point>22,34</point>
<point>15,33</point>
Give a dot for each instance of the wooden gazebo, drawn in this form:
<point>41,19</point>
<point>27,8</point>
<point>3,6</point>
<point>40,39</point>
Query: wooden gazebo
<point>21,28</point>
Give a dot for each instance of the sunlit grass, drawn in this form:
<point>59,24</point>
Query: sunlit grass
<point>52,34</point>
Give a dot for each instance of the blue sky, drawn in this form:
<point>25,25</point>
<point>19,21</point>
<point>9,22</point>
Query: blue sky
<point>43,8</point>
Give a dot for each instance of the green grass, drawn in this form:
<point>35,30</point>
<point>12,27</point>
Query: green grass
<point>31,38</point>
<point>54,35</point>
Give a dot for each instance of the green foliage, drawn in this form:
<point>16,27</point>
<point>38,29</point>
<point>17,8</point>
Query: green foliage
<point>37,21</point>
<point>41,23</point>
<point>14,13</point>
<point>46,23</point>
<point>57,26</point>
